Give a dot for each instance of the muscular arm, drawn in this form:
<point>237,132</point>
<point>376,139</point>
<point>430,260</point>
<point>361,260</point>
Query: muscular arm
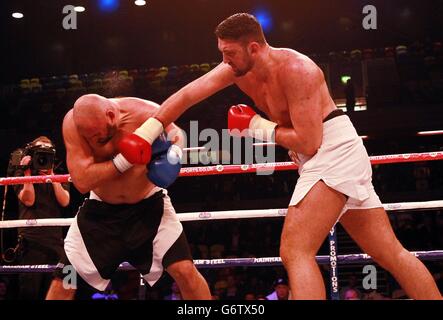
<point>85,173</point>
<point>305,109</point>
<point>217,79</point>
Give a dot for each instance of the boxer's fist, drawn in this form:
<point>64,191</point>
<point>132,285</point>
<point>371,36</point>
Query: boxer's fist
<point>135,149</point>
<point>239,118</point>
<point>165,167</point>
<point>160,145</point>
<point>243,121</point>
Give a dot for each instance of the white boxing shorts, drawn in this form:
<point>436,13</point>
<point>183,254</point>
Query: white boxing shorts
<point>342,163</point>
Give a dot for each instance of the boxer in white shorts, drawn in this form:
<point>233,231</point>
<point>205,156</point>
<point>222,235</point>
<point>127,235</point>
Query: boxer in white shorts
<point>335,181</point>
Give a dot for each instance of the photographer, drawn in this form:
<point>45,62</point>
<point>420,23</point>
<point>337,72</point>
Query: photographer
<point>39,201</point>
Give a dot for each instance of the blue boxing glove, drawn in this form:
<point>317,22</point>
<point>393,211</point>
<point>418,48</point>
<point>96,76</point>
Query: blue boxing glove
<point>160,146</point>
<point>165,164</point>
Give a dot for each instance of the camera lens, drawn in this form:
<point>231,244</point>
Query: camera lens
<point>42,161</point>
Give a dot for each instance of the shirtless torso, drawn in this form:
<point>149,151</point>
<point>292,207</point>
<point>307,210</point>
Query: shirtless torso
<point>270,94</point>
<point>129,187</point>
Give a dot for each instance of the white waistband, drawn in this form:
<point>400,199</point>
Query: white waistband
<point>339,126</point>
<point>94,196</point>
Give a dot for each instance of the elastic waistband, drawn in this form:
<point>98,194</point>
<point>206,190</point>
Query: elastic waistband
<point>334,114</point>
<point>94,196</point>
<point>339,126</point>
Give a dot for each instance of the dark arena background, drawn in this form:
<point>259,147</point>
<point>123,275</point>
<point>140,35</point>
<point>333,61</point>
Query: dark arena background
<point>386,73</point>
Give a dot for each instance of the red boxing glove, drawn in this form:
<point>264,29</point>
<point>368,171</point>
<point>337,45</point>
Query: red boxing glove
<point>135,149</point>
<point>248,123</point>
<point>239,117</point>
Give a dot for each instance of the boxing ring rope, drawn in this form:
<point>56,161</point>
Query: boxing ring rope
<point>357,258</point>
<point>219,215</point>
<point>238,169</point>
<point>332,259</point>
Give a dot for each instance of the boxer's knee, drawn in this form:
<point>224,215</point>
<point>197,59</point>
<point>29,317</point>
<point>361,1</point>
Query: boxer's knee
<point>295,244</point>
<point>184,273</point>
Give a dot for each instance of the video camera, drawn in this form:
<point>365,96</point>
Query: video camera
<point>42,158</point>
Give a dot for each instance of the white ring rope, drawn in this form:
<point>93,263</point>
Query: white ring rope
<point>220,215</point>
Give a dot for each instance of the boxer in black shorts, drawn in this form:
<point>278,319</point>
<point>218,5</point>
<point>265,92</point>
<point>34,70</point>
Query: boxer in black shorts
<point>128,215</point>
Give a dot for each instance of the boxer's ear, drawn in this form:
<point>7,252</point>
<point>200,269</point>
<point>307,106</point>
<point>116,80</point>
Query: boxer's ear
<point>253,47</point>
<point>111,115</point>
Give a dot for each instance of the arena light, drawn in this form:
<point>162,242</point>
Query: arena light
<point>79,9</point>
<point>108,5</point>
<point>344,79</point>
<point>140,2</point>
<point>430,133</point>
<point>264,17</point>
<point>17,15</point>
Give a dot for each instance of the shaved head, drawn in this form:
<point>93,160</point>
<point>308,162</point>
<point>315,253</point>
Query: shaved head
<point>95,117</point>
<point>89,110</point>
